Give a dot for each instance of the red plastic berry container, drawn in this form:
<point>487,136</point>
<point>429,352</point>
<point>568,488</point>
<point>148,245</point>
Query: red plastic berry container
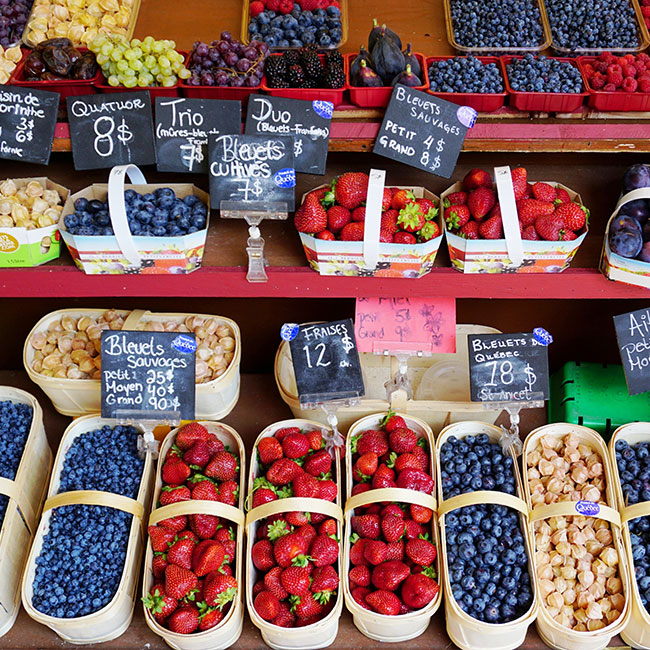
<point>334,95</point>
<point>379,96</point>
<point>546,102</point>
<point>480,102</point>
<point>619,101</point>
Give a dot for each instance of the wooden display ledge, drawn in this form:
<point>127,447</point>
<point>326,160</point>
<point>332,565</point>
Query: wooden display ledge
<point>259,406</point>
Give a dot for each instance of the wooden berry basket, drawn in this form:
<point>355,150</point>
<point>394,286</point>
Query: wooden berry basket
<point>226,633</point>
<point>637,631</point>
<point>322,633</point>
<point>381,627</point>
<point>214,399</point>
<point>114,619</point>
<point>26,493</point>
<point>551,632</point>
<point>464,630</point>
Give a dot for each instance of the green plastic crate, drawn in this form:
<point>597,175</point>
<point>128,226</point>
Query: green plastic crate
<point>596,396</point>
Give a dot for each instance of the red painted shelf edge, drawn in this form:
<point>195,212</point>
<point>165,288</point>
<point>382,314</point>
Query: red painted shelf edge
<point>301,281</point>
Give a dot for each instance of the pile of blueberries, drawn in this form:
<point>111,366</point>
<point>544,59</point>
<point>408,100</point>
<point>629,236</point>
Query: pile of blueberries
<point>15,423</point>
<point>539,74</point>
<point>634,471</point>
<point>585,24</point>
<point>486,554</point>
<point>82,557</point>
<point>298,28</point>
<point>465,74</point>
<point>157,214</point>
<point>490,24</point>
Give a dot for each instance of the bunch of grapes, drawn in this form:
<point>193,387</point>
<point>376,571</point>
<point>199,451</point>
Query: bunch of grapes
<point>139,63</point>
<point>227,62</point>
<point>13,17</point>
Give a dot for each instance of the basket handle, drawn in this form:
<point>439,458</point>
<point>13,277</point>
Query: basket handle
<point>12,490</point>
<point>95,498</point>
<point>117,209</point>
<point>568,508</point>
<point>300,504</point>
<point>483,497</point>
<point>641,193</point>
<point>371,229</point>
<point>390,494</point>
<point>506,195</point>
<point>131,321</point>
<point>194,507</point>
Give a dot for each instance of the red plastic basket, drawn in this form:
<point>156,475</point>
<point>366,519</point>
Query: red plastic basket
<point>619,101</point>
<point>546,102</point>
<point>379,96</point>
<point>334,95</point>
<point>480,102</point>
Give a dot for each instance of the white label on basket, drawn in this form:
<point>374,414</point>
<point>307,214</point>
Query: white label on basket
<point>373,217</point>
<point>587,508</point>
<point>506,196</point>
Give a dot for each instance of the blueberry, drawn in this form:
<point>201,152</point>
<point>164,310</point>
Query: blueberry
<point>81,204</point>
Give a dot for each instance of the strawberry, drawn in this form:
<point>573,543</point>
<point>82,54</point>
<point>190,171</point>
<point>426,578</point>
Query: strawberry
<point>491,228</point>
<point>305,485</point>
<point>395,551</point>
<point>385,235</point>
<point>229,492</point>
<point>158,565</point>
<point>476,178</point>
<point>188,534</point>
<point>315,440</point>
<point>402,440</point>
<point>480,202</point>
<point>366,525</point>
<point>266,605</point>
<point>421,452</point>
<point>328,527</point>
<point>359,488</point>
<point>390,422</point>
<point>283,471</point>
<point>318,463</point>
<point>360,575</point>
<point>419,590</point>
<point>295,518</point>
<point>325,579</point>
<point>375,551</point>
<point>519,177</point>
<point>176,494</point>
<point>327,491</point>
<point>262,496</point>
<point>189,434</point>
<point>207,556</point>
<point>455,198</point>
<point>359,214</point>
<point>392,509</point>
<point>324,550</point>
<point>428,208</point>
<point>529,233</point>
<point>295,580</point>
<point>180,553</point>
<point>210,617</point>
<point>421,551</point>
<point>469,230</point>
<point>161,538</point>
<point>401,198</point>
<point>544,192</point>
<point>359,595</point>
<point>269,450</point>
<point>205,490</point>
<point>310,217</point>
<point>307,531</point>
<point>159,603</point>
<point>282,433</point>
<point>365,466</point>
<point>351,189</point>
<point>219,589</point>
<point>389,221</point>
<point>285,617</point>
<point>184,620</point>
<point>288,547</point>
<point>392,527</point>
<point>222,467</point>
<point>204,526</point>
<point>457,216</point>
<point>175,471</point>
<point>386,199</point>
<point>384,602</point>
<point>389,575</point>
<point>357,549</point>
<point>295,445</point>
<point>352,232</point>
<point>273,584</point>
<point>429,231</point>
<point>306,606</point>
<point>550,228</point>
<point>421,514</point>
<point>413,479</point>
<point>404,461</point>
<point>371,441</point>
<point>529,209</point>
<point>573,215</point>
<point>325,235</point>
<point>384,477</point>
<point>404,238</point>
<point>413,530</point>
<point>198,454</point>
<point>262,555</point>
<point>562,196</point>
<point>179,581</point>
<point>337,217</point>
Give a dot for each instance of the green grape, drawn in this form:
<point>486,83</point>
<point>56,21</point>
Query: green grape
<point>184,74</point>
<point>154,69</point>
<point>143,82</point>
<point>157,48</point>
<point>136,65</point>
<point>138,52</point>
<point>136,42</point>
<point>164,62</point>
<point>130,82</point>
<point>113,81</point>
<point>106,49</point>
<point>129,72</point>
<point>150,61</point>
<point>129,54</point>
<point>116,54</point>
<point>169,81</point>
<point>122,65</point>
<point>102,59</point>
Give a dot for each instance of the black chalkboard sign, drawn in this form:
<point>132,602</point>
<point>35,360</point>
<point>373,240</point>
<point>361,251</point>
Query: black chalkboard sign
<point>633,336</point>
<point>27,122</point>
<point>423,131</point>
<point>507,368</point>
<point>251,169</point>
<point>308,122</point>
<point>148,375</point>
<point>111,129</point>
<point>182,130</point>
<point>326,362</point>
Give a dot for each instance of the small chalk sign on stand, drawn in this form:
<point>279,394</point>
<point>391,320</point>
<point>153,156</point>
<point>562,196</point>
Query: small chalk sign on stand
<point>27,123</point>
<point>423,131</point>
<point>111,129</point>
<point>633,336</point>
<point>508,367</point>
<point>307,121</point>
<point>326,362</point>
<point>148,374</point>
<point>251,169</point>
<point>183,127</point>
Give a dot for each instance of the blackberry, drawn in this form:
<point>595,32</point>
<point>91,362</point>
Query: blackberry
<point>334,78</point>
<point>295,76</point>
<point>279,83</point>
<point>334,59</point>
<point>290,57</point>
<point>309,83</point>
<point>276,68</point>
<point>311,64</point>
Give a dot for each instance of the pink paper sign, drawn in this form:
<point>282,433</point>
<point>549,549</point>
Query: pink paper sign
<point>406,325</point>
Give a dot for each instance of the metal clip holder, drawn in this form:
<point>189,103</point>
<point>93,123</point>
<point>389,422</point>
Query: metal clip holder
<point>147,443</point>
<point>331,408</point>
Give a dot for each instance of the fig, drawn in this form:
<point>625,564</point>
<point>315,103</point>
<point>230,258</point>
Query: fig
<point>636,177</point>
<point>412,60</point>
<point>407,78</point>
<point>367,77</point>
<point>626,243</point>
<point>377,30</point>
<point>387,57</point>
<point>356,63</point>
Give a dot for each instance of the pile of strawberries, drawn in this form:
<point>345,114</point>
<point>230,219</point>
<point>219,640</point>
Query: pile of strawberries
<point>544,211</point>
<point>194,554</point>
<point>393,561</point>
<point>339,212</point>
<point>286,6</point>
<point>610,73</point>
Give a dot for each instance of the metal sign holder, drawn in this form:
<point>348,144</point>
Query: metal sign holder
<point>402,352</point>
<point>331,408</point>
<point>147,443</point>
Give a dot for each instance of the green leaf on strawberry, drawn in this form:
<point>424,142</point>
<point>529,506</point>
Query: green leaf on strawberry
<point>323,597</point>
<point>430,572</point>
<point>278,529</point>
<point>391,460</point>
<point>354,538</point>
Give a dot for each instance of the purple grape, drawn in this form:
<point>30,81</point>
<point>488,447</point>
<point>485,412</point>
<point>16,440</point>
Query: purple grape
<point>202,50</point>
<point>194,80</point>
<point>236,82</point>
<point>252,82</point>
<point>207,79</point>
<point>226,36</point>
<point>231,59</point>
<point>223,47</point>
<point>221,78</point>
<point>242,65</point>
<point>237,48</point>
<point>250,53</point>
<point>213,54</point>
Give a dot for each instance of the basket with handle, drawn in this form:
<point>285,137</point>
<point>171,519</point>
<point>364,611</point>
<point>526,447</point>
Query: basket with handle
<point>322,633</point>
<point>380,627</point>
<point>114,619</point>
<point>26,493</point>
<point>230,627</point>
<point>552,633</point>
<point>214,399</point>
<point>464,630</point>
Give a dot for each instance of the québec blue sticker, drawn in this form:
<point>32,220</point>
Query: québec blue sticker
<point>184,343</point>
<point>285,177</point>
<point>587,508</point>
<point>542,336</point>
<point>289,331</point>
<point>323,109</point>
<point>467,116</point>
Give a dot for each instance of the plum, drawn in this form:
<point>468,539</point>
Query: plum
<point>644,255</point>
<point>636,177</point>
<point>624,222</point>
<point>626,243</point>
<point>637,209</point>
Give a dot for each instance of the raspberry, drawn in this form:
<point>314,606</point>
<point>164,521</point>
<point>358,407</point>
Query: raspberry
<point>597,81</point>
<point>630,85</point>
<point>273,5</point>
<point>605,56</point>
<point>629,70</point>
<point>609,88</point>
<point>615,75</point>
<point>628,58</point>
<point>643,57</point>
<point>256,8</point>
<point>645,11</point>
<point>589,70</point>
<point>644,85</point>
<point>640,66</point>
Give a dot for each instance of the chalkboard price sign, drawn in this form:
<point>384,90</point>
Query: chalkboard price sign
<point>251,169</point>
<point>27,122</point>
<point>111,129</point>
<point>326,362</point>
<point>148,375</point>
<point>183,127</point>
<point>507,368</point>
<point>423,131</point>
<point>633,335</point>
<point>308,123</point>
